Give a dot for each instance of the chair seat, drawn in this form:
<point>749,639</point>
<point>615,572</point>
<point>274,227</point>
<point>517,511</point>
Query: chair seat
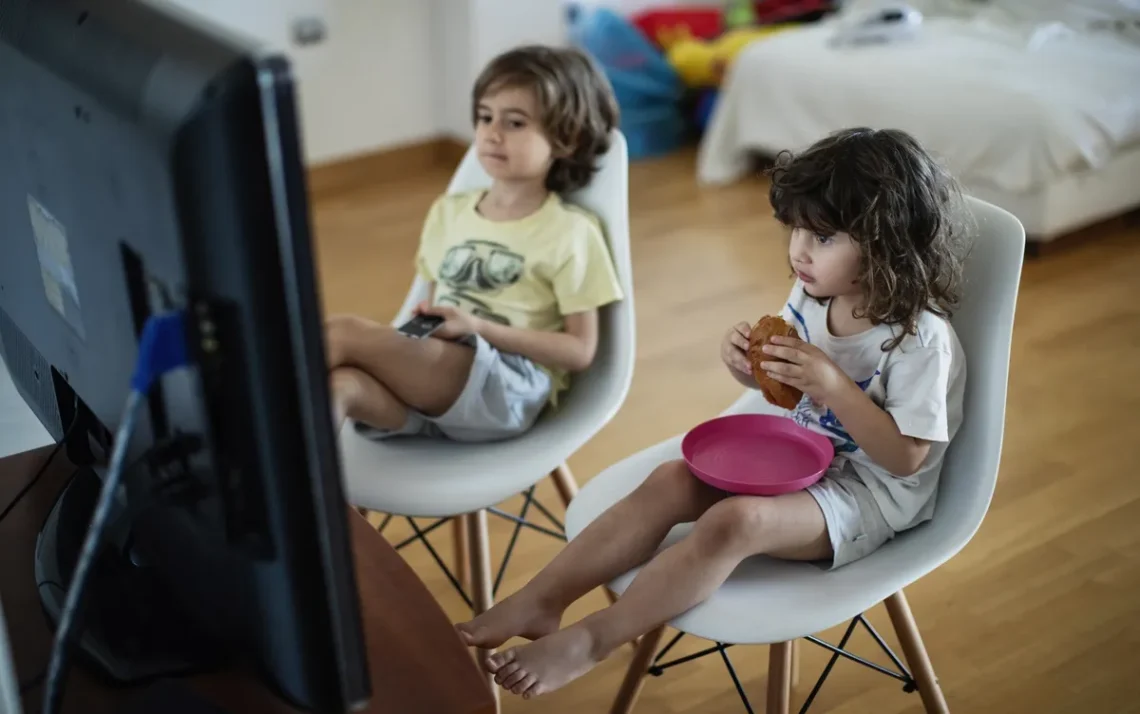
<point>413,476</point>
<point>765,600</point>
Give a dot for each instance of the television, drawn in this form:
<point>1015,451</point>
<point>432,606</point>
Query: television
<point>150,164</point>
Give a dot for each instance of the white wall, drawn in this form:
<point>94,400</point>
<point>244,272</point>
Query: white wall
<point>373,86</point>
<point>368,85</point>
<point>470,33</point>
<point>389,72</point>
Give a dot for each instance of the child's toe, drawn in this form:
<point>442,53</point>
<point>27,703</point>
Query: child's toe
<point>523,688</point>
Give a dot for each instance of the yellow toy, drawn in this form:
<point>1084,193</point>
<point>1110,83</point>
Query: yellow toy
<point>702,63</point>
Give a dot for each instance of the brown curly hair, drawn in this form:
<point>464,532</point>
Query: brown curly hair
<point>897,203</point>
<point>577,106</point>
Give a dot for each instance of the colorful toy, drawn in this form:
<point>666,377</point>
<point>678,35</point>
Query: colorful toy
<point>739,13</point>
<point>702,63</point>
<point>648,90</point>
<point>705,22</point>
<point>701,22</point>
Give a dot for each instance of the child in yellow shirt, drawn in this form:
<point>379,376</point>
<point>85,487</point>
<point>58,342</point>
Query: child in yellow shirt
<point>517,273</point>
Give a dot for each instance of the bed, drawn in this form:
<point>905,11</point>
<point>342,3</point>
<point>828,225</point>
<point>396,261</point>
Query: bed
<point>1032,115</point>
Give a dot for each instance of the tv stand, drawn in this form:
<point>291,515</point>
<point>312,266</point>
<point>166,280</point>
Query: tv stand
<point>132,631</point>
<point>418,664</point>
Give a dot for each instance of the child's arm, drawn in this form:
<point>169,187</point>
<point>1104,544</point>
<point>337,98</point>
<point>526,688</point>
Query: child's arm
<point>808,369</point>
<point>572,350</point>
<point>876,432</point>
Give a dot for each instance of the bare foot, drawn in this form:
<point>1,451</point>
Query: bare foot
<point>517,616</point>
<point>546,664</point>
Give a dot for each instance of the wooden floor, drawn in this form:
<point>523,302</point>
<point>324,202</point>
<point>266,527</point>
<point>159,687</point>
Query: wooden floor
<point>1039,614</point>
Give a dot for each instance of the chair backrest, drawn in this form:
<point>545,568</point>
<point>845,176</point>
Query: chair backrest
<point>984,324</point>
<point>600,390</point>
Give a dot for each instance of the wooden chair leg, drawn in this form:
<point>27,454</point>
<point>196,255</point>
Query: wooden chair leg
<point>915,652</point>
<point>795,678</point>
<point>635,675</point>
<point>565,483</point>
<point>459,548</point>
<point>479,554</point>
<point>779,678</point>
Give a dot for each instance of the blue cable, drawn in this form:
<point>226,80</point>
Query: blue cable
<point>162,348</point>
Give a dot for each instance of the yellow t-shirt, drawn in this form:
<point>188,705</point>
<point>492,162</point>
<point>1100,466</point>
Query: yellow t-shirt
<point>526,273</point>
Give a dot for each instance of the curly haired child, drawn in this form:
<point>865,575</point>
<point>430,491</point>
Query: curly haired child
<point>875,249</point>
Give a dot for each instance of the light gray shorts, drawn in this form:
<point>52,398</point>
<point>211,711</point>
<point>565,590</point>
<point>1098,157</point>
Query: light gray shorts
<point>855,525</point>
<point>503,397</point>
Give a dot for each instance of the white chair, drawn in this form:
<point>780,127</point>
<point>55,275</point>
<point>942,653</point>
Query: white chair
<point>415,477</point>
<point>767,601</point>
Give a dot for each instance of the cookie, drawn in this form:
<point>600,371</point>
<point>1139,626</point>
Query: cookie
<point>778,393</point>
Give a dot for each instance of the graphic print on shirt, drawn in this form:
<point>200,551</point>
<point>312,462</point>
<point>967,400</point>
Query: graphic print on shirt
<point>478,267</point>
<point>805,412</point>
<point>803,330</point>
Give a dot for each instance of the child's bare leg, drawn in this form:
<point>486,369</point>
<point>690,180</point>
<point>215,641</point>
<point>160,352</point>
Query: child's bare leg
<point>427,375</point>
<point>790,526</point>
<point>622,538</point>
<point>357,395</point>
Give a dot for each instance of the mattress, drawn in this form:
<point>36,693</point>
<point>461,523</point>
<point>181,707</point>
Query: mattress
<point>1074,201</point>
<point>1017,109</point>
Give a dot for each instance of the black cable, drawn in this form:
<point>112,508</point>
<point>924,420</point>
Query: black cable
<point>37,680</point>
<point>28,486</point>
<point>66,634</point>
<point>32,683</point>
<point>43,468</point>
<point>162,347</point>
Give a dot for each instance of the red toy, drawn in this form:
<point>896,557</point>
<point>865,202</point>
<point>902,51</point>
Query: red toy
<point>701,21</point>
<point>707,23</point>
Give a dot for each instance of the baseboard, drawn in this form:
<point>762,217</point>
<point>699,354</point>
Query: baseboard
<point>393,164</point>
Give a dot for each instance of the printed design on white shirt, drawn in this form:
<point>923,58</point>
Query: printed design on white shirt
<point>806,413</point>
<point>804,334</point>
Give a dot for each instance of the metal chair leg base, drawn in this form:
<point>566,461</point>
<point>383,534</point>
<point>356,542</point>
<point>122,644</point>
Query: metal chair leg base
<point>461,576</point>
<point>782,663</point>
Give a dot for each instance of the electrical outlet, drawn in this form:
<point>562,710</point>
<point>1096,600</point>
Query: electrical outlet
<point>309,31</point>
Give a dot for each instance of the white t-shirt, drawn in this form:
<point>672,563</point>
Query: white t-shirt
<point>920,384</point>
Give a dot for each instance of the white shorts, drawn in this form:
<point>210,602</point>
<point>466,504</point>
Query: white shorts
<point>855,525</point>
<point>504,395</point>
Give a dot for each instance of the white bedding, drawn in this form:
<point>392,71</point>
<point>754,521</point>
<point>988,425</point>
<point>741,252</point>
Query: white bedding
<point>1015,106</point>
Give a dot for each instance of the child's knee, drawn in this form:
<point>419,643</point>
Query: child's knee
<point>358,396</point>
<point>672,488</point>
<point>672,476</point>
<point>735,523</point>
<point>338,329</point>
<point>338,326</point>
<point>346,386</point>
<point>672,482</point>
<point>342,332</point>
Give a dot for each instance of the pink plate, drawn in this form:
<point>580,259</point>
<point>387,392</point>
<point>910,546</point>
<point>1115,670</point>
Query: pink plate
<point>756,454</point>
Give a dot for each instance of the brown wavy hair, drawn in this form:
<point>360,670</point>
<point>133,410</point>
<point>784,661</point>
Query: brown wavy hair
<point>899,205</point>
<point>576,103</point>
